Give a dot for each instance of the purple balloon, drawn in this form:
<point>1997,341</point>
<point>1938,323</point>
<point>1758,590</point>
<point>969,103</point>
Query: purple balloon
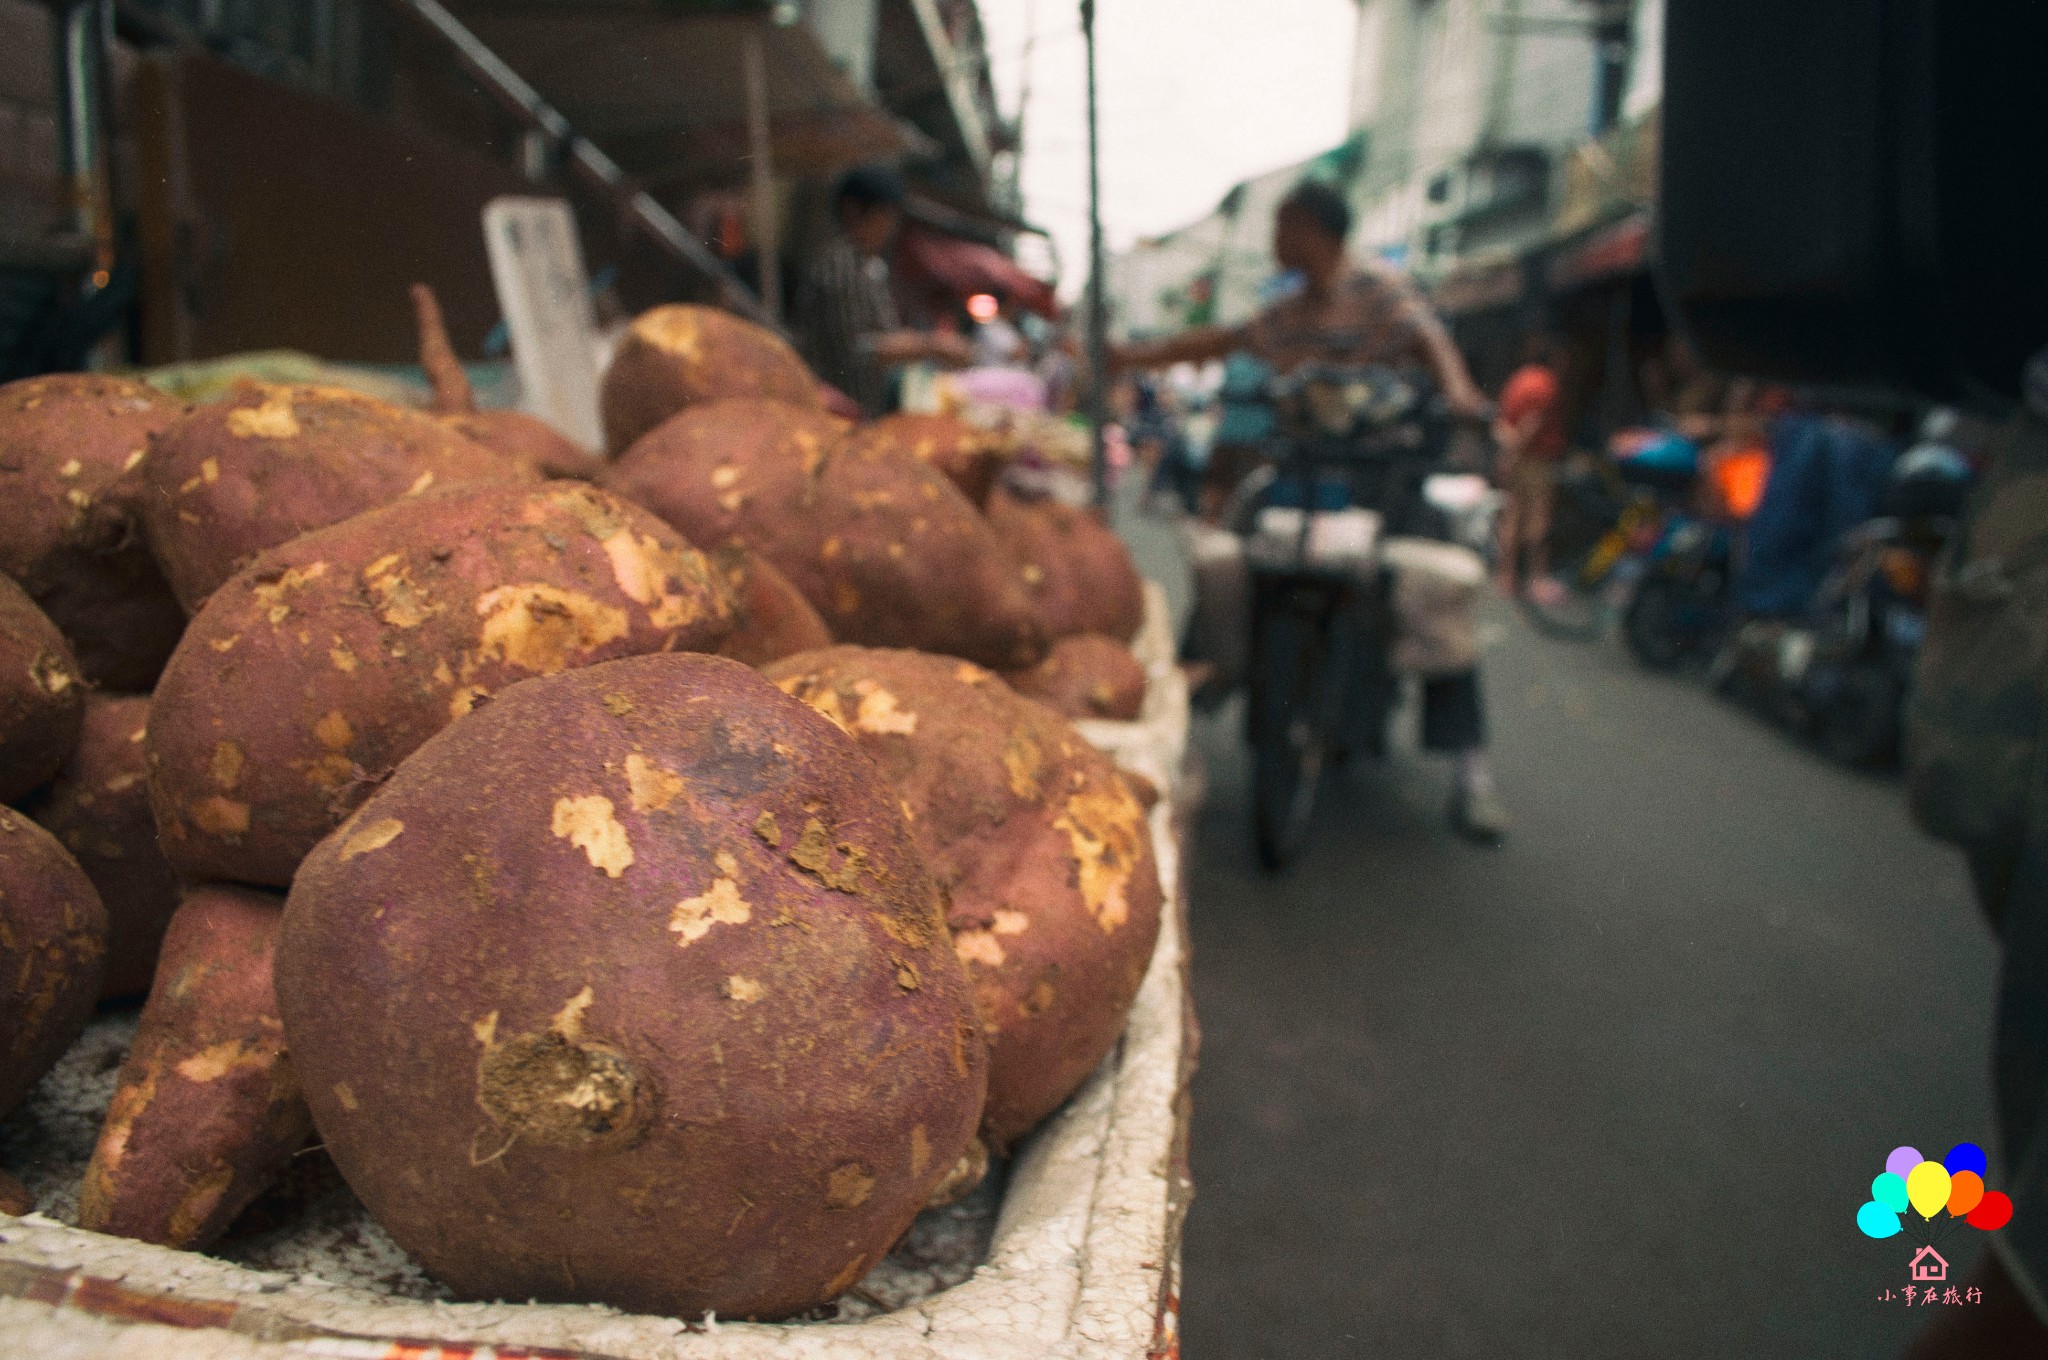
<point>1902,1161</point>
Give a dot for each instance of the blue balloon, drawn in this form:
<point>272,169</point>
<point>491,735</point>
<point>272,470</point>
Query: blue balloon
<point>1965,1157</point>
<point>1877,1221</point>
<point>1890,1191</point>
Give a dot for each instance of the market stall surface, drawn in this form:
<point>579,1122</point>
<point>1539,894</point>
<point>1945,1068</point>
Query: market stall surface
<point>1614,1089</point>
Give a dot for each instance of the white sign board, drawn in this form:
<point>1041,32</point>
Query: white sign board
<point>537,268</point>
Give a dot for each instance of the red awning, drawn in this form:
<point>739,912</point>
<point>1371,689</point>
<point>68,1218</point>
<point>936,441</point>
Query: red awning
<point>1621,248</point>
<point>964,268</point>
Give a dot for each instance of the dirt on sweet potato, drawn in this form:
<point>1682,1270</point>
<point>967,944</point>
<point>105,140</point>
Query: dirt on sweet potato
<point>310,675</point>
<point>632,988</point>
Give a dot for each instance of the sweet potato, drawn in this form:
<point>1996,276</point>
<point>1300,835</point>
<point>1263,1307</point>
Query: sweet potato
<point>53,944</point>
<point>270,462</point>
<point>524,438</point>
<point>971,459</point>
<point>1081,576</point>
<point>1045,856</point>
<point>771,619</point>
<point>42,701</point>
<point>682,355</point>
<point>65,441</point>
<point>631,988</point>
<point>884,547</point>
<point>98,806</point>
<point>207,1110</point>
<point>320,666</point>
<point>1085,676</point>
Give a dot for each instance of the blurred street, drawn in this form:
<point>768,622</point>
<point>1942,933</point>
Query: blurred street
<point>1614,1089</point>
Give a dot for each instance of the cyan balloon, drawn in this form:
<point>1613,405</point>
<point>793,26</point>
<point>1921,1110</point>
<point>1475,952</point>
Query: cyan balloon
<point>1877,1221</point>
<point>1902,1161</point>
<point>1890,1191</point>
<point>1965,1157</point>
<point>1927,1188</point>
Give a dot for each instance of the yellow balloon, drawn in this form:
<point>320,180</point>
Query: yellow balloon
<point>1927,1188</point>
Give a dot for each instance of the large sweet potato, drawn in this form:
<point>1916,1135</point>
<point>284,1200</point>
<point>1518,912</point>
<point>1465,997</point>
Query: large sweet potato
<point>1081,576</point>
<point>682,355</point>
<point>771,619</point>
<point>320,666</point>
<point>970,458</point>
<point>883,546</point>
<point>521,437</point>
<point>42,701</point>
<point>98,806</point>
<point>65,440</point>
<point>1045,856</point>
<point>1085,676</point>
<point>630,987</point>
<point>207,1109</point>
<point>53,943</point>
<point>270,462</point>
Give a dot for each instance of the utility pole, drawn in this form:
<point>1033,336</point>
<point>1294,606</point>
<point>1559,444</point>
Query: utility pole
<point>1098,310</point>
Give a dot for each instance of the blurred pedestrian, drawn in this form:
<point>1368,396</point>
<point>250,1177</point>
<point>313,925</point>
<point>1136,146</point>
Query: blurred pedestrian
<point>1529,431</point>
<point>848,325</point>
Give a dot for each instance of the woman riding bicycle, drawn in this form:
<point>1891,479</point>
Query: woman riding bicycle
<point>1349,315</point>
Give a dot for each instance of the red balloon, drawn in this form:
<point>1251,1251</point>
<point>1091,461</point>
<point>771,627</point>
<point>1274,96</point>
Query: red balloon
<point>1993,1212</point>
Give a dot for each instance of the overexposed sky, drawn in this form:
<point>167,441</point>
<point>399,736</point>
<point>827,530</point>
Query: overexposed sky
<point>1195,95</point>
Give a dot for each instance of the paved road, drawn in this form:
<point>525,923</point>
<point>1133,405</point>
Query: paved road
<point>1615,1089</point>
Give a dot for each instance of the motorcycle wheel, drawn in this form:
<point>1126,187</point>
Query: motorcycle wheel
<point>1860,724</point>
<point>1654,624</point>
<point>1290,737</point>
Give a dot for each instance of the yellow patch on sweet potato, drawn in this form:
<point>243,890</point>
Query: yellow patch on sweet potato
<point>218,816</point>
<point>880,712</point>
<point>344,1093</point>
<point>587,823</point>
<point>979,946</point>
<point>271,595</point>
<point>720,904</point>
<point>375,836</point>
<point>1021,763</point>
<point>1011,922</point>
<point>849,1186</point>
<point>217,1060</point>
<point>333,731</point>
<point>672,330</point>
<point>744,990</point>
<point>273,419</point>
<point>539,627</point>
<point>1103,828</point>
<point>399,601</point>
<point>226,766</point>
<point>652,787</point>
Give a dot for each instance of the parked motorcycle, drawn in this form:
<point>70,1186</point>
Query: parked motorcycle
<point>1841,673</point>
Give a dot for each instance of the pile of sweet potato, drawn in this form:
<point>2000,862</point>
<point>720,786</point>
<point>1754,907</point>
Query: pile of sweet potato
<point>439,814</point>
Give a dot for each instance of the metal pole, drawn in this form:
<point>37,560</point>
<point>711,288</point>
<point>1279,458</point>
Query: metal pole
<point>1098,377</point>
<point>767,249</point>
<point>83,28</point>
